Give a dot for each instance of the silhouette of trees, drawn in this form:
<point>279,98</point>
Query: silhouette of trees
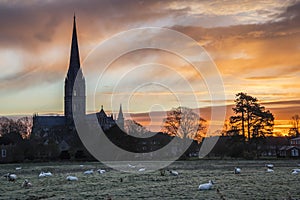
<point>184,123</point>
<point>24,125</point>
<point>21,126</point>
<point>294,131</point>
<point>251,119</point>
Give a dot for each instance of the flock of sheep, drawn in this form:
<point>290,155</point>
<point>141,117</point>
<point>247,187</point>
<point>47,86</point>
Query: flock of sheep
<point>204,186</point>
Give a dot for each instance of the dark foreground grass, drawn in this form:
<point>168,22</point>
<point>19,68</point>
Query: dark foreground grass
<point>253,183</point>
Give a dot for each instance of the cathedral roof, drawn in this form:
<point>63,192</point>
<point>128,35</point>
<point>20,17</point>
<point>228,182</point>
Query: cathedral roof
<point>101,113</point>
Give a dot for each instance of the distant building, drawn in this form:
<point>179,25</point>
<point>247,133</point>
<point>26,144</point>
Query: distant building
<point>61,128</point>
<point>293,150</point>
<point>295,141</point>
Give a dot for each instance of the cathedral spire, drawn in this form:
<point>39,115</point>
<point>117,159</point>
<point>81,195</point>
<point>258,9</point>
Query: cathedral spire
<point>120,116</point>
<point>120,120</point>
<point>74,65</point>
<point>74,82</point>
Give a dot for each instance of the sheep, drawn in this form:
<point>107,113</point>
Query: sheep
<point>270,170</point>
<point>18,168</point>
<point>237,170</point>
<point>72,178</point>
<point>206,186</point>
<point>142,170</point>
<point>131,166</point>
<point>101,171</point>
<point>89,172</point>
<point>26,184</point>
<point>173,172</point>
<point>10,177</point>
<point>296,171</point>
<point>45,174</point>
<point>270,166</point>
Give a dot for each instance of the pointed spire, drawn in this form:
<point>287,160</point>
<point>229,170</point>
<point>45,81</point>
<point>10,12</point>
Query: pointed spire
<point>120,116</point>
<point>74,57</point>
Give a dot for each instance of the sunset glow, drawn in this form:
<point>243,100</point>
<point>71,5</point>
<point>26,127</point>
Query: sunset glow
<point>254,44</point>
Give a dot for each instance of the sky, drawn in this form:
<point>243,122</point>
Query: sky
<point>254,46</point>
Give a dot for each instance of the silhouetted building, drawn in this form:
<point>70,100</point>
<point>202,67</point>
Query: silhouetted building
<point>74,83</point>
<point>61,128</point>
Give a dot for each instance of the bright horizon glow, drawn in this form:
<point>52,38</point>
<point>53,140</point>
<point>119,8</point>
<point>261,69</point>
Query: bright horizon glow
<point>255,46</point>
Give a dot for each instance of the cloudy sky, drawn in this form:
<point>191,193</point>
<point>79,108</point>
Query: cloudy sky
<point>255,46</point>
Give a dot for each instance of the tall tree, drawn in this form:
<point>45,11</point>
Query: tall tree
<point>251,117</point>
<point>25,125</point>
<point>184,123</point>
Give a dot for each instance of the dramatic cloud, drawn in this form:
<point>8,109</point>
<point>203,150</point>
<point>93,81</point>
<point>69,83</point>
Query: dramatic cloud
<point>255,45</point>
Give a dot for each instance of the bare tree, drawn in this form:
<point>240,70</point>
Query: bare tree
<point>25,126</point>
<point>184,123</point>
<point>21,126</point>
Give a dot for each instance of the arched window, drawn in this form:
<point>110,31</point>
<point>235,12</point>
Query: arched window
<point>74,93</point>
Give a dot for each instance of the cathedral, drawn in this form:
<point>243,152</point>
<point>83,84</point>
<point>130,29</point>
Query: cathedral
<point>74,102</point>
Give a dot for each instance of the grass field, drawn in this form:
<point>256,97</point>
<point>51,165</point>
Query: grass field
<point>253,183</point>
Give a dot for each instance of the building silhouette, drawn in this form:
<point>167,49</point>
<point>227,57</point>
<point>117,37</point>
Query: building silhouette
<point>61,129</point>
<point>74,82</point>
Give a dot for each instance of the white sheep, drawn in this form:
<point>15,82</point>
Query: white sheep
<point>18,168</point>
<point>270,166</point>
<point>131,166</point>
<point>72,178</point>
<point>173,172</point>
<point>206,186</point>
<point>89,172</point>
<point>237,170</point>
<point>101,171</point>
<point>270,170</point>
<point>296,171</point>
<point>45,174</point>
<point>142,170</point>
<point>10,177</point>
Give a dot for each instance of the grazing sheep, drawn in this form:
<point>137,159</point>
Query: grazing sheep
<point>174,173</point>
<point>296,171</point>
<point>131,166</point>
<point>45,174</point>
<point>206,186</point>
<point>89,172</point>
<point>142,170</point>
<point>26,184</point>
<point>237,170</point>
<point>101,171</point>
<point>72,178</point>
<point>270,166</point>
<point>270,170</point>
<point>18,168</point>
<point>10,177</point>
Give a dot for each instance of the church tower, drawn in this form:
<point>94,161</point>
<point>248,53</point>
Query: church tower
<point>74,90</point>
<point>120,120</point>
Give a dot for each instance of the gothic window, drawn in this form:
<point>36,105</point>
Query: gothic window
<point>74,93</point>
